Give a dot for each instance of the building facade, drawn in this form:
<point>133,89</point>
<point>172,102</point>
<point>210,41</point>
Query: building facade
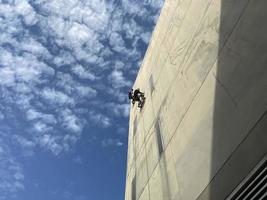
<point>202,133</point>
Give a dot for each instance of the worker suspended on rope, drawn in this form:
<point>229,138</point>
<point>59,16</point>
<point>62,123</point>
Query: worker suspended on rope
<point>137,95</point>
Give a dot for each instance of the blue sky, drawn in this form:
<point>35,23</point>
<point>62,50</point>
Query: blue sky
<point>65,69</point>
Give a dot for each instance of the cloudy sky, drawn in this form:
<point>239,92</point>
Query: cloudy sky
<point>65,69</point>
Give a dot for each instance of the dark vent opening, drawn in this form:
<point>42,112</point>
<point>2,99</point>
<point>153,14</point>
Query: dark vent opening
<point>159,140</point>
<point>255,186</point>
<point>134,188</point>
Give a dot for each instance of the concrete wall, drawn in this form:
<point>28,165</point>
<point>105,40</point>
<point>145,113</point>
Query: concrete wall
<point>205,79</point>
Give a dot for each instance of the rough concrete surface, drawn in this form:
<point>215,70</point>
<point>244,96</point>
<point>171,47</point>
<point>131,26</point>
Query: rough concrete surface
<point>203,127</point>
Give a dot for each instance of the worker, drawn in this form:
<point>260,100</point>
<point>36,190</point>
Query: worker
<point>136,95</point>
<point>131,96</point>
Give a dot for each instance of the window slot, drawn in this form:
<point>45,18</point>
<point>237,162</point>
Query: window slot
<point>134,188</point>
<point>159,139</point>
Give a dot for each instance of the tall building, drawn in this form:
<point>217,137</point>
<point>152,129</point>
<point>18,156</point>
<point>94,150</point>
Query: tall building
<point>202,133</point>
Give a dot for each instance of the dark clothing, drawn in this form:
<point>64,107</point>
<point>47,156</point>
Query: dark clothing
<point>136,95</point>
<point>130,95</point>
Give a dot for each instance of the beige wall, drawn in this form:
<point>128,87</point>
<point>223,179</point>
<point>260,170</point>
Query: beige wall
<point>205,80</point>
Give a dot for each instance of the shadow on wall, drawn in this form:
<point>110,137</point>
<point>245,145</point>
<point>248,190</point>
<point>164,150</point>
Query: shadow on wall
<point>240,118</point>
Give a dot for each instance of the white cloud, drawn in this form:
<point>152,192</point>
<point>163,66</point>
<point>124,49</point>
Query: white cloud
<point>111,143</point>
<point>132,7</point>
<point>41,127</point>
<point>119,110</point>
<point>79,33</point>
<point>124,109</point>
<point>53,96</point>
<point>119,65</point>
<point>63,58</point>
<point>23,141</point>
<point>100,119</point>
<point>50,142</point>
<point>132,29</point>
<point>117,42</point>
<point>34,47</point>
<point>73,88</point>
<point>24,68</point>
<point>71,122</point>
<point>86,91</point>
<point>83,73</point>
<point>118,80</point>
<point>118,94</point>
<point>146,37</point>
<point>47,118</point>
<point>23,88</point>
<point>68,140</point>
<point>24,9</point>
<point>11,173</point>
<point>7,76</point>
